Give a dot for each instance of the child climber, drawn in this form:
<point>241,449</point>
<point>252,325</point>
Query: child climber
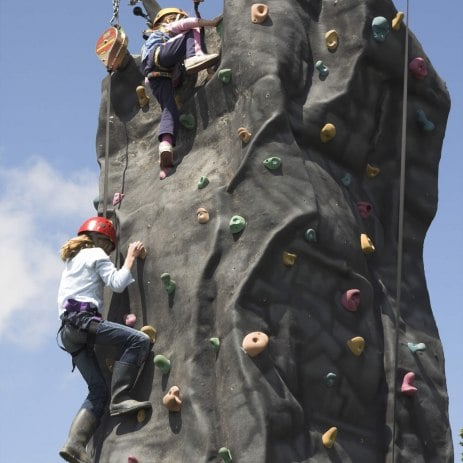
<point>80,299</point>
<point>174,38</point>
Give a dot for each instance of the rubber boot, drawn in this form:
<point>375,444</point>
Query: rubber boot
<point>123,379</point>
<point>82,428</point>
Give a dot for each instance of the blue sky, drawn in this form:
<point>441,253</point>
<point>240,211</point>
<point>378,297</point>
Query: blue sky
<point>50,84</point>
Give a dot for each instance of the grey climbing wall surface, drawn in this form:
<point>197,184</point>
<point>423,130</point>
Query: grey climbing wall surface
<point>300,245</point>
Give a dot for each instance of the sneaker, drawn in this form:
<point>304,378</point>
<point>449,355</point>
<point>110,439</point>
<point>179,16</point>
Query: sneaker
<point>197,63</point>
<point>166,154</point>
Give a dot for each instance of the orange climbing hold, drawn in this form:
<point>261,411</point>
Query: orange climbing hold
<point>327,133</point>
<point>289,259</point>
<point>332,40</point>
<point>259,13</point>
<point>397,21</point>
<point>172,399</point>
<point>150,331</point>
<point>254,343</point>
<point>244,134</point>
<point>143,99</point>
<point>372,171</point>
<point>366,244</point>
<point>329,437</point>
<point>356,345</point>
<point>202,215</point>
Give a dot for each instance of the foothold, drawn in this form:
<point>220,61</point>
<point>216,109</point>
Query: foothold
<point>356,345</point>
<point>330,379</point>
<point>244,134</point>
<point>311,235</point>
<point>169,285</point>
<point>163,363</point>
<point>420,347</point>
<point>224,75</point>
<point>272,163</point>
<point>408,387</point>
<point>150,331</point>
<point>117,198</point>
<point>259,13</point>
<point>143,100</point>
<point>380,28</point>
<point>237,224</point>
<point>203,182</point>
<point>351,300</point>
<point>172,399</point>
<point>397,21</point>
<point>366,244</point>
<point>132,459</point>
<point>188,121</point>
<point>130,319</point>
<point>327,133</point>
<point>329,437</point>
<point>96,202</point>
<point>423,120</point>
<point>254,343</point>
<point>215,343</point>
<point>332,40</point>
<point>372,171</point>
<point>225,454</point>
<point>202,215</point>
<point>346,179</point>
<point>418,68</point>
<point>289,259</point>
<point>364,209</point>
<point>323,70</point>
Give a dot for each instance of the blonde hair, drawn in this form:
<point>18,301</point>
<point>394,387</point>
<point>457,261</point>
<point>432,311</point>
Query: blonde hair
<point>72,247</point>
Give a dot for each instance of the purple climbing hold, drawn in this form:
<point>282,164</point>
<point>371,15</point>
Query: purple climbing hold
<point>418,68</point>
<point>364,209</point>
<point>117,198</point>
<point>351,300</point>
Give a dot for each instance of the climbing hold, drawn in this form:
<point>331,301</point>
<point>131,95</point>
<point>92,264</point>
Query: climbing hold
<point>332,40</point>
<point>225,454</point>
<point>351,300</point>
<point>224,75</point>
<point>130,319</point>
<point>346,179</point>
<point>178,101</point>
<point>132,459</point>
<point>424,122</point>
<point>172,399</point>
<point>372,171</point>
<point>366,244</point>
<point>143,253</point>
<point>96,202</point>
<point>421,346</point>
<point>311,235</point>
<point>203,182</point>
<point>202,215</point>
<point>380,27</point>
<point>215,343</point>
<point>237,224</point>
<point>408,387</point>
<point>244,134</point>
<point>163,363</point>
<point>327,133</point>
<point>143,100</point>
<point>141,415</point>
<point>330,379</point>
<point>364,209</point>
<point>397,21</point>
<point>418,68</point>
<point>169,285</point>
<point>272,163</point>
<point>109,364</point>
<point>289,259</point>
<point>117,198</point>
<point>323,70</point>
<point>356,345</point>
<point>254,343</point>
<point>219,29</point>
<point>188,121</point>
<point>149,331</point>
<point>259,13</point>
<point>329,437</point>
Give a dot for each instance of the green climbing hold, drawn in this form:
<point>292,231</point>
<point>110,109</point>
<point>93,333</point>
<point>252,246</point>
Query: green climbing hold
<point>272,163</point>
<point>163,363</point>
<point>237,224</point>
<point>347,179</point>
<point>330,379</point>
<point>311,235</point>
<point>225,454</point>
<point>215,343</point>
<point>419,347</point>
<point>225,75</point>
<point>203,182</point>
<point>188,121</point>
<point>169,284</point>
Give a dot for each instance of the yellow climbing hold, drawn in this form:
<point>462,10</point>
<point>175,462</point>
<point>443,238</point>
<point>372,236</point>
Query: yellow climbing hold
<point>332,40</point>
<point>143,100</point>
<point>372,171</point>
<point>202,215</point>
<point>244,134</point>
<point>366,244</point>
<point>150,331</point>
<point>327,133</point>
<point>143,253</point>
<point>289,259</point>
<point>172,399</point>
<point>141,415</point>
<point>329,437</point>
<point>397,21</point>
<point>356,345</point>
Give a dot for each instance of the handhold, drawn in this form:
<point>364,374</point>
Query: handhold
<point>380,27</point>
<point>329,437</point>
<point>372,171</point>
<point>346,179</point>
<point>132,459</point>
<point>237,224</point>
<point>351,300</point>
<point>289,259</point>
<point>117,198</point>
<point>421,346</point>
<point>163,363</point>
<point>143,100</point>
<point>150,331</point>
<point>143,253</point>
<point>172,399</point>
<point>366,244</point>
<point>418,68</point>
<point>356,345</point>
<point>203,182</point>
<point>397,21</point>
<point>272,163</point>
<point>311,235</point>
<point>327,133</point>
<point>169,285</point>
<point>323,70</point>
<point>188,121</point>
<point>141,415</point>
<point>225,454</point>
<point>244,134</point>
<point>215,343</point>
<point>254,343</point>
<point>224,75</point>
<point>130,319</point>
<point>408,387</point>
<point>202,215</point>
<point>332,40</point>
<point>330,379</point>
<point>424,122</point>
<point>259,13</point>
<point>364,209</point>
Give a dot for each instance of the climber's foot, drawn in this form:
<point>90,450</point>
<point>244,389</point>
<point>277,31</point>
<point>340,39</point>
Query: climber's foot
<point>197,63</point>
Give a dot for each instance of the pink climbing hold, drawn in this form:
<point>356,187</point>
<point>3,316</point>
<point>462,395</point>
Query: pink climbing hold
<point>351,300</point>
<point>418,68</point>
<point>117,198</point>
<point>132,459</point>
<point>130,319</point>
<point>364,209</point>
<point>408,387</point>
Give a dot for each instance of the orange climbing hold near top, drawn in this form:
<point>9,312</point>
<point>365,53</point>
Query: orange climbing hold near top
<point>259,13</point>
<point>329,437</point>
<point>332,40</point>
<point>254,343</point>
<point>244,134</point>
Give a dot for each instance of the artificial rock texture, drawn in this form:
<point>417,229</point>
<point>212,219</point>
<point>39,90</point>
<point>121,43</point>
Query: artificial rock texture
<point>275,407</point>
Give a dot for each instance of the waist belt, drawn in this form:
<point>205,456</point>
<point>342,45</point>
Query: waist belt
<point>72,305</point>
<point>154,74</point>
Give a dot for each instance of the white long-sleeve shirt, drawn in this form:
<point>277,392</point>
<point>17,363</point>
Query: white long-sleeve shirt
<point>85,276</point>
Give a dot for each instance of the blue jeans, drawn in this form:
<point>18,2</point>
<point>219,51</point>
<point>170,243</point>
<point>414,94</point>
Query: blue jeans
<point>134,343</point>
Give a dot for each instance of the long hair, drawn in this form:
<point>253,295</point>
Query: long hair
<point>72,247</point>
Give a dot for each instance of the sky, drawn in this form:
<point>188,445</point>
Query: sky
<point>50,88</point>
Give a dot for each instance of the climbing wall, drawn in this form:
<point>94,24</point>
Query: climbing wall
<point>270,275</point>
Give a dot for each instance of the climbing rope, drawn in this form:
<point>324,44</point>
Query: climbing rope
<point>106,156</point>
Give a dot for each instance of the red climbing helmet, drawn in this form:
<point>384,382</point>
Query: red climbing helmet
<point>99,225</point>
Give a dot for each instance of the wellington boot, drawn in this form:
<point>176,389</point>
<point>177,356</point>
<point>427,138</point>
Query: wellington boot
<point>197,63</point>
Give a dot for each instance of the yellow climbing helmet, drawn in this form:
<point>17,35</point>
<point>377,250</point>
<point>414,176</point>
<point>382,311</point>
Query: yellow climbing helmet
<point>166,11</point>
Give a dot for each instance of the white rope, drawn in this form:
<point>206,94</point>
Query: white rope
<point>106,157</point>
